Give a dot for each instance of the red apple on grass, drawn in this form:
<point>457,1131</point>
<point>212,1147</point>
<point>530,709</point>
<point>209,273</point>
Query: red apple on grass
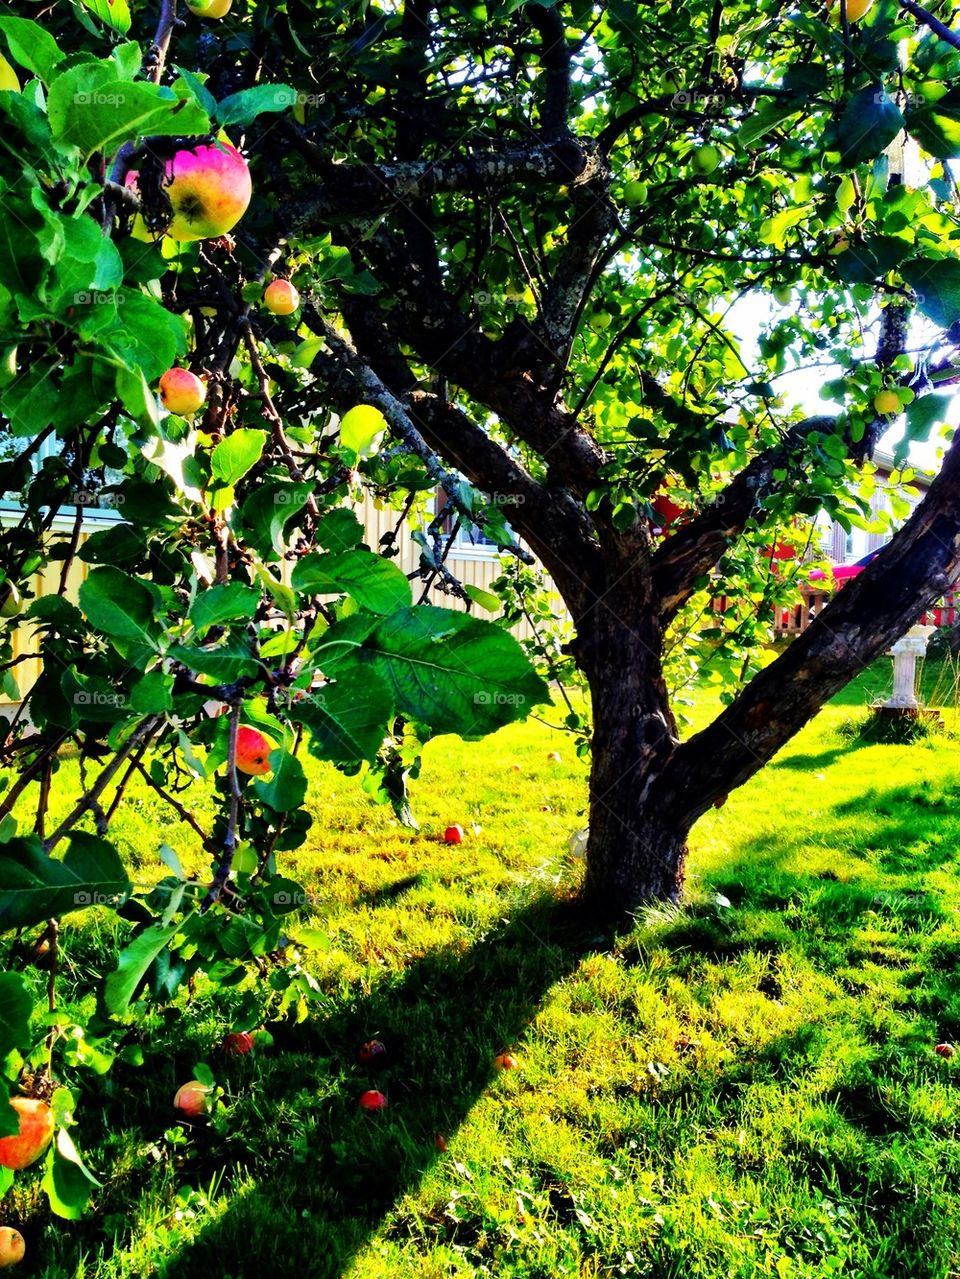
<point>238,1043</point>
<point>453,835</point>
<point>12,1247</point>
<point>372,1100</point>
<point>209,189</point>
<point>36,1128</point>
<point>182,392</point>
<point>505,1061</point>
<point>281,297</point>
<point>373,1052</point>
<point>945,1050</point>
<point>193,1099</point>
<point>554,757</point>
<point>253,751</point>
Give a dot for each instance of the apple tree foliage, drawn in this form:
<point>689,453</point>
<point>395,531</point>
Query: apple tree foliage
<point>560,260</point>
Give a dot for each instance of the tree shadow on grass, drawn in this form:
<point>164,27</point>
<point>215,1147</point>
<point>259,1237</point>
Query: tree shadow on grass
<point>319,1199</point>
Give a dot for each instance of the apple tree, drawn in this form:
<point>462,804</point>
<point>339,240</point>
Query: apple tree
<point>504,251</point>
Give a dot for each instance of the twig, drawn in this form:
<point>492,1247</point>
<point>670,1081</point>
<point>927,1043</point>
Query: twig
<point>154,62</point>
<point>184,814</point>
<point>225,864</point>
<point>89,800</point>
<point>935,25</point>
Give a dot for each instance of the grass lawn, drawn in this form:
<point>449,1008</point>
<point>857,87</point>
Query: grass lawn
<point>745,1087</point>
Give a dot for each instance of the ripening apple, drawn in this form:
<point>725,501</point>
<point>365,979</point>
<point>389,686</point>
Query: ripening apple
<point>453,835</point>
<point>281,297</point>
<point>193,1099</point>
<point>209,189</point>
<point>783,294</point>
<point>36,1129</point>
<point>635,193</point>
<point>182,392</point>
<point>372,1100</point>
<point>8,77</point>
<point>886,402</point>
<point>209,8</point>
<point>945,1050</point>
<point>505,1061</point>
<point>554,757</point>
<point>13,1247</point>
<point>253,751</point>
<point>238,1043</point>
<point>855,9</point>
<point>706,159</point>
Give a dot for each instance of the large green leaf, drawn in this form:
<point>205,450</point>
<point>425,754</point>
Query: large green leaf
<point>245,106</point>
<point>118,605</point>
<point>67,1182</point>
<point>113,13</point>
<point>115,110</point>
<point>374,582</point>
<point>223,662</point>
<point>937,286</point>
<point>35,886</point>
<point>234,456</point>
<point>346,722</point>
<point>16,1005</point>
<point>288,785</point>
<point>223,604</point>
<point>31,46</point>
<point>132,965</point>
<point>456,673</point>
<point>870,122</point>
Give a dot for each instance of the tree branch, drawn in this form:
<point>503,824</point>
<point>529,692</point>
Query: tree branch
<point>915,568</point>
<point>935,25</point>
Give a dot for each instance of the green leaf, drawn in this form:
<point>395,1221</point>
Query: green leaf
<point>224,604</point>
<point>288,785</point>
<point>132,966</point>
<point>486,599</point>
<point>153,695</point>
<point>348,721</point>
<point>137,397</point>
<point>375,583</point>
<point>31,46</point>
<point>242,107</point>
<point>146,335</point>
<point>119,606</point>
<point>225,662</point>
<point>269,508</point>
<point>456,673</point>
<point>937,286</point>
<point>112,13</point>
<point>35,886</point>
<point>16,1006</point>
<point>234,456</point>
<point>33,402</point>
<point>339,530</point>
<point>100,119</point>
<point>870,122</point>
<point>67,1182</point>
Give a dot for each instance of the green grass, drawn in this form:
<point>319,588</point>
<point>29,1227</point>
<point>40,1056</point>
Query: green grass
<point>743,1087</point>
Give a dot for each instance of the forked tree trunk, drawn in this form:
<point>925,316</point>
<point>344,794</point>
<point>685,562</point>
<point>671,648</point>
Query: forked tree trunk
<point>635,851</point>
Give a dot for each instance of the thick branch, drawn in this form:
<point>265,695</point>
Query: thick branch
<point>696,547</point>
<point>916,567</point>
<point>362,191</point>
<point>555,56</point>
<point>935,25</point>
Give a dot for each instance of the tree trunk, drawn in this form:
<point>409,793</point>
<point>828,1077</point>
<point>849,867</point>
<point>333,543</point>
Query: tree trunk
<point>635,853</point>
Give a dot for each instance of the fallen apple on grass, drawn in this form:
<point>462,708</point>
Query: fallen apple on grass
<point>554,757</point>
<point>453,835</point>
<point>194,1099</point>
<point>945,1050</point>
<point>22,1149</point>
<point>372,1053</point>
<point>372,1100</point>
<point>182,392</point>
<point>253,751</point>
<point>505,1061</point>
<point>238,1043</point>
<point>13,1247</point>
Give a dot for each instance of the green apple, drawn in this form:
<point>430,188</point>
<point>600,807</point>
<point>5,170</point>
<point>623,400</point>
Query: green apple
<point>706,159</point>
<point>635,193</point>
